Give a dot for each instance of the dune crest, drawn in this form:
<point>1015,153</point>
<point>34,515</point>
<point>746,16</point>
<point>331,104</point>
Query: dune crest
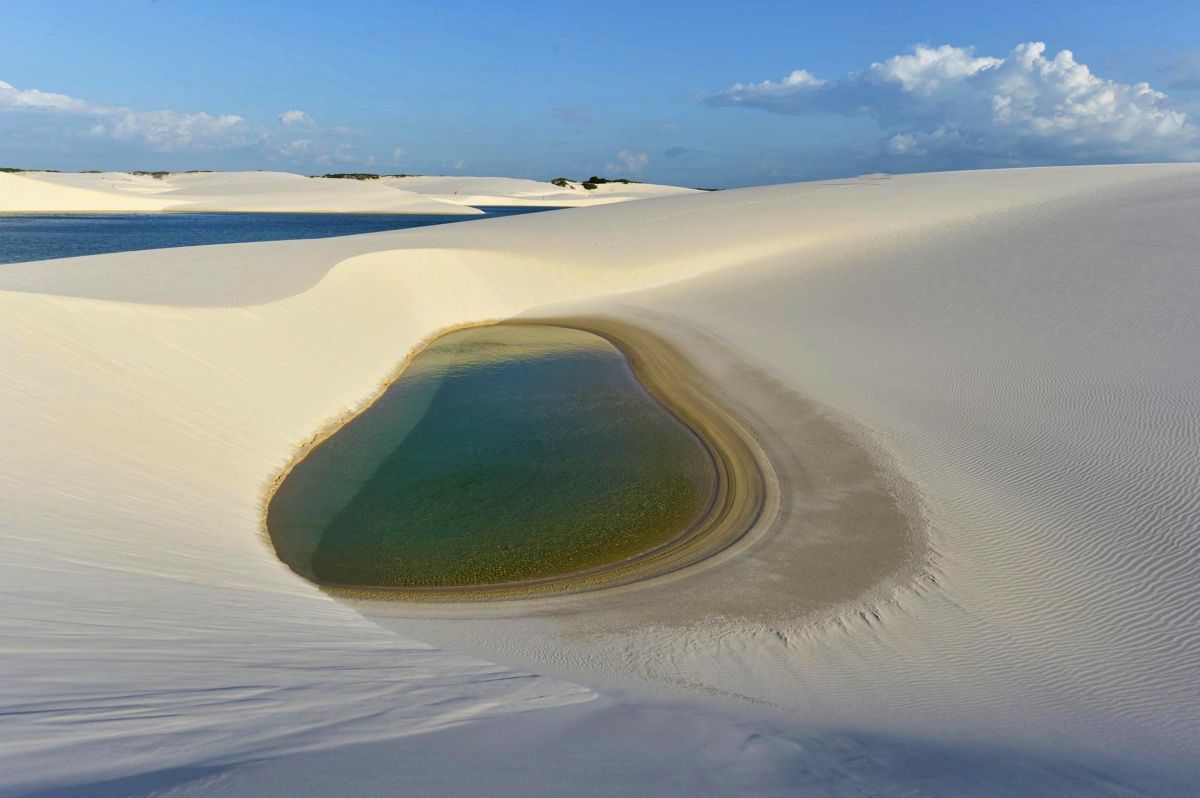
<point>1016,348</point>
<point>284,192</point>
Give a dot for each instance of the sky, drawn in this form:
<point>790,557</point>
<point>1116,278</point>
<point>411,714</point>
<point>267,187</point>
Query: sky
<point>706,94</point>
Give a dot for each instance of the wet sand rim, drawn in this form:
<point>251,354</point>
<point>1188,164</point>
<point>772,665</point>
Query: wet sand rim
<point>735,502</point>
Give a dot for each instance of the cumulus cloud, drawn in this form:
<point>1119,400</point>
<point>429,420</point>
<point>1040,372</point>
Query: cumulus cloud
<point>170,130</point>
<point>32,99</point>
<point>165,131</point>
<point>947,104</point>
<point>297,149</point>
<point>298,118</point>
<point>397,154</point>
<point>40,115</point>
<point>629,162</point>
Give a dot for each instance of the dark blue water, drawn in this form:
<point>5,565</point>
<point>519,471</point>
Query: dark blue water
<point>41,237</point>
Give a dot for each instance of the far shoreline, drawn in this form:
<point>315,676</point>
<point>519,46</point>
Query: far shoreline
<point>176,211</point>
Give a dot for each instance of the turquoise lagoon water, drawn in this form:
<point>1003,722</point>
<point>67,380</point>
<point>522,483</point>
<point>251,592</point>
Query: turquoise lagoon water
<point>503,453</point>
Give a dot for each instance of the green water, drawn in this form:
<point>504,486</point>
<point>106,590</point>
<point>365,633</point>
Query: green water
<point>502,453</point>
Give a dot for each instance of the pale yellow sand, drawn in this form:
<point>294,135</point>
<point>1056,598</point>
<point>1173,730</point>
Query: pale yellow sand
<point>283,192</point>
<point>1009,358</point>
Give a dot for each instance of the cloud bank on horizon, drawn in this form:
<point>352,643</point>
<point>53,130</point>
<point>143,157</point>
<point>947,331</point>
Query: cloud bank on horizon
<point>946,106</point>
<point>168,131</point>
<point>936,107</point>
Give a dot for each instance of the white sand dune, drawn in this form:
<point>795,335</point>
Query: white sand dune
<point>26,193</point>
<point>508,191</point>
<point>260,192</point>
<point>265,192</point>
<point>1016,349</point>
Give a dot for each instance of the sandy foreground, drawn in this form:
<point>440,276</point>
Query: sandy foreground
<point>979,394</point>
<point>267,192</point>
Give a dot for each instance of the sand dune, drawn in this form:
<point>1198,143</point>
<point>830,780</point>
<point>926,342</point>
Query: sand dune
<point>25,193</point>
<point>507,191</point>
<point>978,390</point>
<point>266,192</point>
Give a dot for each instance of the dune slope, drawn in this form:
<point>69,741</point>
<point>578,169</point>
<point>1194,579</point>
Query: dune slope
<point>284,192</point>
<point>1013,355</point>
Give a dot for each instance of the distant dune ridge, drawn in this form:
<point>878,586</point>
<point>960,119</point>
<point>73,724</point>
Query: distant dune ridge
<point>50,192</point>
<point>979,391</point>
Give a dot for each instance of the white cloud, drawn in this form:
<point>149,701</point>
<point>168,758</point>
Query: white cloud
<point>298,149</point>
<point>40,116</point>
<point>745,93</point>
<point>32,99</point>
<point>629,162</point>
<point>171,130</point>
<point>298,118</point>
<point>71,120</point>
<point>945,104</point>
<point>904,144</point>
<point>340,155</point>
<point>165,131</point>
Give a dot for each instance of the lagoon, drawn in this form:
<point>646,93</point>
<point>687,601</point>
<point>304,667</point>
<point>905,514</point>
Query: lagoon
<point>503,454</point>
<point>30,237</point>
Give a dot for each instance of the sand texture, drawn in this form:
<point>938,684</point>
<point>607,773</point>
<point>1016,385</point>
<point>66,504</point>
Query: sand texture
<point>278,192</point>
<point>978,394</point>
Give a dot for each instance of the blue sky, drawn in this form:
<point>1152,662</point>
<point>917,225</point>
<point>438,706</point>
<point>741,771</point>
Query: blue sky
<point>700,93</point>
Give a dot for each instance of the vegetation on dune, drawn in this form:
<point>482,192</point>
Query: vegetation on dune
<point>157,174</point>
<point>591,183</point>
<point>359,176</point>
<point>601,180</point>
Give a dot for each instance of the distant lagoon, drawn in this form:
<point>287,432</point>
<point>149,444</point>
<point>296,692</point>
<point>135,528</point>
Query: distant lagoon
<point>31,237</point>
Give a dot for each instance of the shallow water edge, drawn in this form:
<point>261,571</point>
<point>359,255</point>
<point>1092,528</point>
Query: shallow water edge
<point>842,540</point>
<point>734,505</point>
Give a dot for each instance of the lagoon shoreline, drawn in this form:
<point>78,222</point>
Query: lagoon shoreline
<point>736,501</point>
<point>975,391</point>
<point>785,463</point>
